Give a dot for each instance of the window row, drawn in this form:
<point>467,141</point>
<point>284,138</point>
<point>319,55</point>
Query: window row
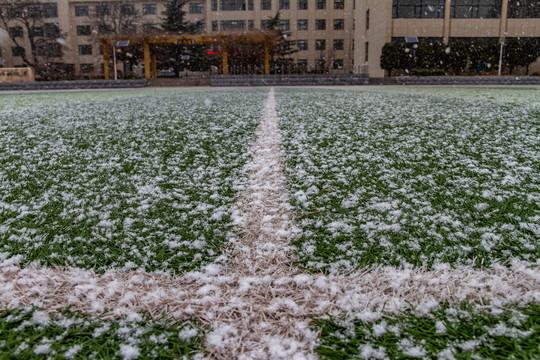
<point>51,30</point>
<point>52,50</point>
<point>463,9</point>
<point>242,5</point>
<point>124,9</point>
<point>46,10</point>
<point>86,30</point>
<point>524,9</point>
<point>284,24</point>
<point>320,64</point>
<point>320,44</point>
<point>320,24</point>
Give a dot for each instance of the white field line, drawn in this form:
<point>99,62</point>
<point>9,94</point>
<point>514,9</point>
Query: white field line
<point>260,305</point>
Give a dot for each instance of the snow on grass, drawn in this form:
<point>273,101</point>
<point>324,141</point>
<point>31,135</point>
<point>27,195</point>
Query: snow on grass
<point>75,336</point>
<point>141,181</point>
<point>259,305</point>
<point>467,334</point>
<point>412,179</point>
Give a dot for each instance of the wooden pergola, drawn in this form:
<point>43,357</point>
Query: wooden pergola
<point>150,70</point>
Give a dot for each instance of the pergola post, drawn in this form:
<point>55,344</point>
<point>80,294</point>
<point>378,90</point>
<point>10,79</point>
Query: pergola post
<point>105,59</point>
<point>224,59</point>
<point>266,58</point>
<point>153,63</point>
<point>147,69</point>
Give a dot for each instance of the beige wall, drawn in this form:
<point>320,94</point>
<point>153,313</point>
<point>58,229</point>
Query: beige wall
<point>311,35</point>
<point>383,28</point>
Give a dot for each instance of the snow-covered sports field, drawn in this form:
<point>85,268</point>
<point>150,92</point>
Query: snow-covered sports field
<point>266,223</point>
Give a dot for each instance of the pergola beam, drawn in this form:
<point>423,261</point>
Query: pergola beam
<point>223,39</point>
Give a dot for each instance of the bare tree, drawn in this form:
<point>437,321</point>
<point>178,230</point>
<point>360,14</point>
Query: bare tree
<point>24,22</point>
<point>118,19</point>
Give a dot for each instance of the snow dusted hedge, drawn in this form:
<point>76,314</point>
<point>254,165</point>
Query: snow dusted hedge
<point>437,176</point>
<point>122,179</point>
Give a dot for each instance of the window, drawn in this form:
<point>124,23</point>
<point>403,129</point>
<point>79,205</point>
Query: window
<point>266,5</point>
<point>103,10</point>
<point>83,30</point>
<point>302,4</point>
<point>150,27</point>
<point>214,25</point>
<point>476,9</point>
<point>14,13</point>
<point>50,10</point>
<point>16,31</point>
<point>338,64</point>
<point>196,8</point>
<point>149,9</point>
<point>104,29</point>
<point>339,24</point>
<point>37,31</point>
<point>433,9</point>
<point>339,4</point>
<point>51,30</point>
<point>301,45</point>
<point>320,24</point>
<point>214,5</point>
<point>81,11</point>
<point>320,4</point>
<point>85,49</point>
<point>302,63</point>
<point>87,68</point>
<point>284,25</point>
<point>232,25</point>
<point>50,50</point>
<point>251,5</point>
<point>366,52</point>
<point>284,4</point>
<point>265,24</point>
<point>524,9</point>
<point>320,44</point>
<point>339,44</point>
<point>320,65</point>
<point>251,24</point>
<point>17,51</point>
<point>127,10</point>
<point>35,12</point>
<point>302,24</point>
<point>367,19</point>
<point>233,5</point>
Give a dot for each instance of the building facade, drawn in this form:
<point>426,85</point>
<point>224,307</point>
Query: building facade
<point>380,22</point>
<point>334,36</point>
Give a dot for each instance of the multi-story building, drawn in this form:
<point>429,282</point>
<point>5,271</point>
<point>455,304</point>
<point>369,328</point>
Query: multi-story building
<point>321,29</point>
<point>336,36</point>
<point>380,22</point>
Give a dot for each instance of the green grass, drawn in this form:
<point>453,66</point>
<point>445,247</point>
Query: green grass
<point>137,180</point>
<point>448,333</point>
<point>31,334</point>
<point>412,178</point>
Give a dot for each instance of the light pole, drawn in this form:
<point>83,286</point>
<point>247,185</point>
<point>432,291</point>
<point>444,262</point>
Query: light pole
<point>114,62</point>
<point>501,57</point>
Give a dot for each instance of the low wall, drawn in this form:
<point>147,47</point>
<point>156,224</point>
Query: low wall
<point>194,81</point>
<point>72,85</point>
<point>16,75</point>
<point>468,80</point>
<point>289,80</point>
